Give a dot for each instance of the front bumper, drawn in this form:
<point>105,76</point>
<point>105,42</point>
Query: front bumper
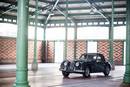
<point>72,67</point>
<point>73,70</point>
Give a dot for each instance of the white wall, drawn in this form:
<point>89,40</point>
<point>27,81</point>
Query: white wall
<point>92,33</point>
<point>10,30</point>
<point>92,47</point>
<point>120,32</point>
<point>55,33</point>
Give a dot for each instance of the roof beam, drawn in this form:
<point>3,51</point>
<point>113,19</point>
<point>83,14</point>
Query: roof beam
<point>101,7</point>
<point>46,1</point>
<point>88,20</point>
<point>32,6</point>
<point>49,15</point>
<point>75,15</point>
<point>81,1</point>
<point>62,21</point>
<point>7,10</point>
<point>9,1</point>
<point>77,8</point>
<point>15,1</point>
<point>97,10</point>
<point>70,18</point>
<point>85,14</point>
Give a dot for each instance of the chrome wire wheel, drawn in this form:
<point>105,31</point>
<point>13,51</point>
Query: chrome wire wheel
<point>65,74</point>
<point>107,71</point>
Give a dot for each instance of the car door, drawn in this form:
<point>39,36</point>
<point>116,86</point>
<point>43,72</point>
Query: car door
<point>93,63</point>
<point>99,64</point>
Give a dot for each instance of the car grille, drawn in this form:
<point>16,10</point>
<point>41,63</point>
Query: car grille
<point>71,66</point>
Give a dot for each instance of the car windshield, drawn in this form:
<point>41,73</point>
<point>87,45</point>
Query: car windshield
<point>88,57</point>
<point>82,57</point>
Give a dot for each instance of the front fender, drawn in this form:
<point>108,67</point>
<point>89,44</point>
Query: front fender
<point>64,66</point>
<point>109,64</point>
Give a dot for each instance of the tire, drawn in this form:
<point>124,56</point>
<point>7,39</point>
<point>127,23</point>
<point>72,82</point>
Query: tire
<point>107,71</point>
<point>65,74</point>
<point>86,73</point>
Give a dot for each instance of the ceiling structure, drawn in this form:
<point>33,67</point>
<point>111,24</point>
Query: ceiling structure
<point>53,12</point>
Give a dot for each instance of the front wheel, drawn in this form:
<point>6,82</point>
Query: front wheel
<point>107,71</point>
<point>65,74</point>
<point>86,73</point>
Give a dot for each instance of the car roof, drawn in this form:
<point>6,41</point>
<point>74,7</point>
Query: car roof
<point>93,54</point>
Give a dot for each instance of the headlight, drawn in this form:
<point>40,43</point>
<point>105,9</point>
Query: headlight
<point>77,64</point>
<point>65,63</point>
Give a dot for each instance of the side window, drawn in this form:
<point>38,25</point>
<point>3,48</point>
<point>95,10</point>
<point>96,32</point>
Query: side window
<point>98,59</point>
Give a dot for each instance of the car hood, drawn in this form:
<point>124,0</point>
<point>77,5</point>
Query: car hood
<point>79,60</point>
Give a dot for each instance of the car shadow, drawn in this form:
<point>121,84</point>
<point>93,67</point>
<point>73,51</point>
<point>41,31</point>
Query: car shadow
<point>91,77</point>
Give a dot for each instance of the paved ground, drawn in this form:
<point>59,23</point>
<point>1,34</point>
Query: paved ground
<point>49,75</point>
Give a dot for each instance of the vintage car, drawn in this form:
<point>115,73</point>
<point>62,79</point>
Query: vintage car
<point>86,64</point>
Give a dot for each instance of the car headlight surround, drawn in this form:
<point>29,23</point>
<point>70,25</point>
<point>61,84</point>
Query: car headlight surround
<point>65,63</point>
<point>77,64</point>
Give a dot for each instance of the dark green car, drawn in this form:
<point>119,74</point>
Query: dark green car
<point>86,64</point>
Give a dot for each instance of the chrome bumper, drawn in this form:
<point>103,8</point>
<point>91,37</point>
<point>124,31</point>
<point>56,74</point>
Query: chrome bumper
<point>69,70</point>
